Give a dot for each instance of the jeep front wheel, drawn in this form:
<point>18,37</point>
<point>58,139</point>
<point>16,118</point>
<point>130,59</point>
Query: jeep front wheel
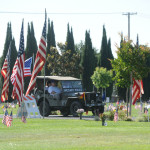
<point>74,107</point>
<point>46,110</point>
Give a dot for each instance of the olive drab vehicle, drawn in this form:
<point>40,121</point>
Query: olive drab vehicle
<point>71,98</point>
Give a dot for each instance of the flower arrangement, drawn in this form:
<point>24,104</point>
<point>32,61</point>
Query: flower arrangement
<point>80,112</point>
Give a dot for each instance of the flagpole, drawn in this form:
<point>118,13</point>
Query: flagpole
<point>44,78</point>
<point>33,60</point>
<point>140,96</point>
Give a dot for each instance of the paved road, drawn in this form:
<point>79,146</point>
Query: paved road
<point>61,117</point>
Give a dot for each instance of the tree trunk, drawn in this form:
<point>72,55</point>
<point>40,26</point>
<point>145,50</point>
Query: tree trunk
<point>130,94</point>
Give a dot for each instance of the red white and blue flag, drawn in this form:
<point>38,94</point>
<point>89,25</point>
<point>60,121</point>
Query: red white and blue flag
<point>40,59</point>
<point>9,119</point>
<point>27,67</point>
<point>19,81</point>
<point>4,117</point>
<point>137,90</point>
<point>6,73</point>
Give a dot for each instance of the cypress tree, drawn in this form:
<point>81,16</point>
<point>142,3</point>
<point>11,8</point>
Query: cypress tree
<point>104,50</point>
<point>48,37</point>
<point>88,63</point>
<point>13,58</point>
<point>52,36</point>
<point>28,51</point>
<point>31,48</point>
<point>105,56</point>
<point>50,43</point>
<point>122,91</point>
<point>6,46</point>
<point>70,40</point>
<point>34,46</point>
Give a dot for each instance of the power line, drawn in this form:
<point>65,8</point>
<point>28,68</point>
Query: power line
<point>61,13</point>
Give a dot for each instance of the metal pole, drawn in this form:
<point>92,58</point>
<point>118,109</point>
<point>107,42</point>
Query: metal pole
<point>140,96</point>
<point>128,26</point>
<point>131,71</point>
<point>44,94</point>
<point>44,77</point>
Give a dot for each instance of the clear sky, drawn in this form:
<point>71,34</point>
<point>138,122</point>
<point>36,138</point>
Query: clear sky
<point>111,16</point>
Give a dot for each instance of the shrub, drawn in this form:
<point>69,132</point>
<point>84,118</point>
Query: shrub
<point>111,115</point>
<point>128,119</point>
<point>121,115</point>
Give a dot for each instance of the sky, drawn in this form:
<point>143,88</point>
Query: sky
<point>82,15</point>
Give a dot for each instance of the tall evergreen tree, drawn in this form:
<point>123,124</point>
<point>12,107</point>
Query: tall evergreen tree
<point>12,57</point>
<point>70,40</point>
<point>31,49</point>
<point>88,63</point>
<point>104,50</point>
<point>50,43</point>
<point>34,46</point>
<point>52,36</point>
<point>105,57</point>
<point>122,91</point>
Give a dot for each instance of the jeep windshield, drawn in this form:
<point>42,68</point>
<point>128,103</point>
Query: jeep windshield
<point>72,86</point>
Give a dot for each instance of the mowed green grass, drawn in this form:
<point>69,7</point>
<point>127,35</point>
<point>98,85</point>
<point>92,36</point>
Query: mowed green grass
<point>48,134</point>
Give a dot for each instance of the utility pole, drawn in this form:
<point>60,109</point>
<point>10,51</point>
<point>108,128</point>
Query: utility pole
<point>130,97</point>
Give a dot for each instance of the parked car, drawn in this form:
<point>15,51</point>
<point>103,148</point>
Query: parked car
<point>71,98</point>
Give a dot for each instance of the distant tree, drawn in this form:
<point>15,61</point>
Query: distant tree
<point>104,51</point>
<point>62,64</point>
<point>50,43</point>
<point>102,78</point>
<point>12,57</point>
<point>131,62</point>
<point>30,51</point>
<point>105,57</point>
<point>52,36</point>
<point>70,40</point>
<point>88,63</point>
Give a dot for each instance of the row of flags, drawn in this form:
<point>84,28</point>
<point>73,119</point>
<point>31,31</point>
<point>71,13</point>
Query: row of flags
<point>22,69</point>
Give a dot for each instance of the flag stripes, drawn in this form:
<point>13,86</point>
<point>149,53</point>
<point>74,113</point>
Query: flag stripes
<point>6,73</point>
<point>136,90</point>
<point>40,59</point>
<point>19,80</point>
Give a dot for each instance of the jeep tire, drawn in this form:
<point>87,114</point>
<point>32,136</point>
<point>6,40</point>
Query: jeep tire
<point>47,109</point>
<point>65,112</point>
<point>75,105</point>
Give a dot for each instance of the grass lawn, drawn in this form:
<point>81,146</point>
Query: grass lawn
<point>46,134</point>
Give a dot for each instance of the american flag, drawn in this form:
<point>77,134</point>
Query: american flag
<point>9,119</point>
<point>27,67</point>
<point>116,116</point>
<point>4,117</point>
<point>19,82</point>
<point>136,90</point>
<point>40,59</point>
<point>6,73</point>
<point>14,72</point>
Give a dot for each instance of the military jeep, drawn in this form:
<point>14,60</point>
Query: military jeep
<point>71,99</point>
